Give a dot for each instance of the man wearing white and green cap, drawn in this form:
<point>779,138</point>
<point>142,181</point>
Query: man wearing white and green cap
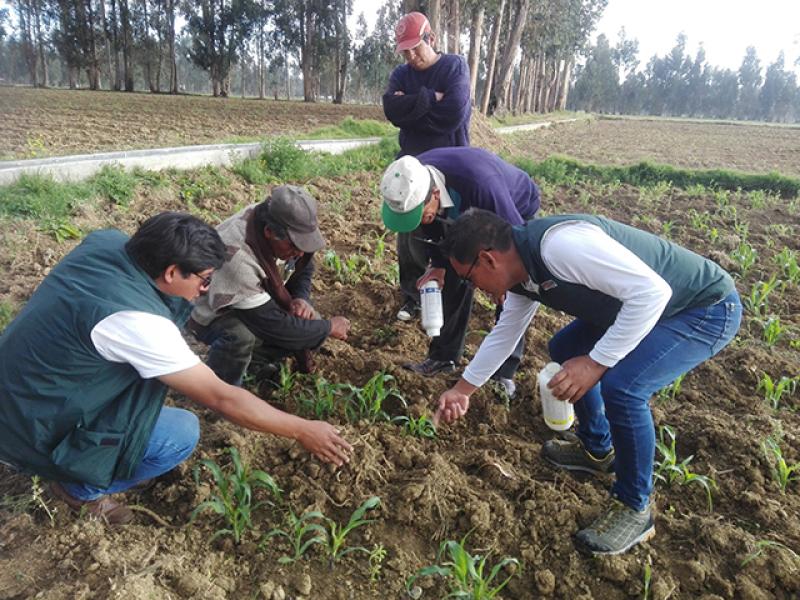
<point>422,195</point>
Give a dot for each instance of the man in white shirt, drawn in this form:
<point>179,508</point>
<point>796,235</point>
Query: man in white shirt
<point>85,367</point>
<point>647,310</point>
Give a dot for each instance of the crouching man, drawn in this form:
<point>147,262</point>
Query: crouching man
<point>646,310</point>
<point>259,299</point>
<point>85,367</point>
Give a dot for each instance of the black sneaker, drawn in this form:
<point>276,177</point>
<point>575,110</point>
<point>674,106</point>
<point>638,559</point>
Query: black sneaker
<point>431,366</point>
<point>617,530</point>
<point>408,311</point>
<point>572,456</point>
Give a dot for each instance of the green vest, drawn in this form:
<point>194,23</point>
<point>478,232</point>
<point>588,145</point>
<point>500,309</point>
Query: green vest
<point>66,413</point>
<point>695,281</point>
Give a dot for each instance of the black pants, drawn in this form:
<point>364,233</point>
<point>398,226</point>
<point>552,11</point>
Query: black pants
<point>267,333</point>
<point>456,305</point>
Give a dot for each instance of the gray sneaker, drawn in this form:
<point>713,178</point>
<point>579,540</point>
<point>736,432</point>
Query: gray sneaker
<point>571,455</point>
<point>617,530</point>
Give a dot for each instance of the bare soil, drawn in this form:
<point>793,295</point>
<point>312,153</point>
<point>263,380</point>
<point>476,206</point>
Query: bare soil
<point>483,475</point>
<point>37,123</point>
<point>750,148</point>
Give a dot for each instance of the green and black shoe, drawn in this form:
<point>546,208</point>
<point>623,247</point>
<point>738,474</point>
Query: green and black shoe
<point>572,456</point>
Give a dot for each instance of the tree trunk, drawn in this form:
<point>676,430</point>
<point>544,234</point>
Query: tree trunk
<point>127,45</point>
<point>37,23</point>
<point>342,52</point>
<point>564,90</point>
<point>308,56</point>
<point>93,70</point>
<point>492,56</point>
<point>173,62</point>
<point>26,40</point>
<point>475,40</point>
<point>106,39</point>
<point>454,29</point>
<point>117,78</point>
<point>435,19</point>
<point>503,81</point>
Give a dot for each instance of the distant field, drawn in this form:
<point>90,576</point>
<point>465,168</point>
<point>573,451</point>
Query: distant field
<point>691,144</point>
<point>37,123</point>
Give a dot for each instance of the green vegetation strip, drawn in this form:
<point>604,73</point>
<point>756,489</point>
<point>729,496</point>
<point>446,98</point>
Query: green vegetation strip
<point>351,128</point>
<point>566,171</point>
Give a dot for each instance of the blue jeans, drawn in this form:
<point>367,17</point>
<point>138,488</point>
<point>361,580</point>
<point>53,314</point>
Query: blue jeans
<point>174,437</point>
<point>616,411</point>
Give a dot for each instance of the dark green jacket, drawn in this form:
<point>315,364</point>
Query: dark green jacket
<point>66,413</point>
<point>695,281</point>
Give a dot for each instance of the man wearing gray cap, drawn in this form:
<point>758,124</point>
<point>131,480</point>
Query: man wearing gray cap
<point>259,299</point>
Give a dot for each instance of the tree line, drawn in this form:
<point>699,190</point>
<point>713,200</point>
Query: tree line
<point>521,53</point>
<point>682,85</point>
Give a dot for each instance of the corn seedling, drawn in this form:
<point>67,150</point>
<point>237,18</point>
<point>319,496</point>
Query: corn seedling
<point>31,501</point>
<point>745,257</point>
<point>348,270</point>
<point>773,330</point>
<point>232,498</point>
<point>286,380</point>
<point>782,472</point>
<point>786,259</point>
<point>422,426</point>
<point>700,221</point>
<point>376,557</point>
<point>380,246</point>
<point>669,470</point>
<point>671,391</point>
<point>722,198</point>
<point>648,575</point>
<point>762,545</point>
<point>466,574</point>
<point>758,300</point>
<point>667,228</point>
<point>392,274</point>
<point>775,390</point>
<point>654,194</point>
<point>713,235</point>
<point>367,402</point>
<point>337,534</point>
<point>62,230</point>
<point>322,400</point>
<point>302,533</point>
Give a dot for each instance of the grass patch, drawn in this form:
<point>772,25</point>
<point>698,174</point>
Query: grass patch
<point>351,128</point>
<point>567,171</point>
<point>524,119</point>
<point>7,313</point>
<point>282,161</point>
<point>39,197</point>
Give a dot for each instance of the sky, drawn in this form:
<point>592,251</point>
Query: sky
<point>725,27</point>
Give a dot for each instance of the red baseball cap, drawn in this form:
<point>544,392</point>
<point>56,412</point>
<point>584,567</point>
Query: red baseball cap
<point>409,31</point>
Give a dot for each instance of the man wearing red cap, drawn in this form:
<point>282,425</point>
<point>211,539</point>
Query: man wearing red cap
<point>428,99</point>
<point>428,96</point>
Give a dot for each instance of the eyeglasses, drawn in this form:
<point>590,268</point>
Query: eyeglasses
<point>465,278</point>
<point>206,279</point>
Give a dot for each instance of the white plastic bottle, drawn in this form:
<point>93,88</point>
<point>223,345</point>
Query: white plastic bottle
<point>558,415</point>
<point>430,299</point>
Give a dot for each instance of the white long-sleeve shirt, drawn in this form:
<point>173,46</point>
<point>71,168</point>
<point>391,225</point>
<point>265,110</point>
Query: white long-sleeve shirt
<point>582,253</point>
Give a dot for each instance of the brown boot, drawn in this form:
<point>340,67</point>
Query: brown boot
<point>111,511</point>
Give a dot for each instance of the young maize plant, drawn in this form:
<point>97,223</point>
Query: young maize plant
<point>671,391</point>
<point>775,390</point>
<point>232,494</point>
<point>466,574</point>
<point>773,330</point>
<point>782,472</point>
<point>367,402</point>
<point>336,534</point>
<point>669,470</point>
<point>758,300</point>
<point>302,533</point>
<point>745,257</point>
<point>421,426</point>
<point>762,545</point>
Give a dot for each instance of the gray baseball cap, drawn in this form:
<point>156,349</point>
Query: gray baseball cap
<point>294,208</point>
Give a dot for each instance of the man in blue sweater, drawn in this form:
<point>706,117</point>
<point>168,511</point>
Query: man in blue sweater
<point>646,310</point>
<point>422,196</point>
<point>428,96</point>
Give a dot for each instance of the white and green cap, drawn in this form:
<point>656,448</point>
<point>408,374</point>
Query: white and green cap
<point>405,187</point>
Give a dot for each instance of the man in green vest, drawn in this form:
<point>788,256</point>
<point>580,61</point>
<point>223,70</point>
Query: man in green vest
<point>85,367</point>
<point>647,310</point>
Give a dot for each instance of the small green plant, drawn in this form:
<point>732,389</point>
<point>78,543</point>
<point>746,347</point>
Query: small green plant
<point>648,575</point>
<point>722,198</point>
<point>286,380</point>
<point>713,235</point>
<point>232,496</point>
<point>466,573</point>
<point>421,426</point>
<point>62,230</point>
<point>376,558</point>
<point>348,270</point>
<point>337,534</point>
<point>763,545</point>
<point>302,533</point>
<point>30,501</point>
<point>669,470</point>
<point>745,257</point>
<point>773,330</point>
<point>782,472</point>
<point>758,300</point>
<point>672,390</point>
<point>775,390</point>
<point>322,400</point>
<point>116,184</point>
<point>700,221</point>
<point>667,229</point>
<point>654,194</point>
<point>786,259</point>
<point>7,313</point>
<point>367,402</point>
<point>380,245</point>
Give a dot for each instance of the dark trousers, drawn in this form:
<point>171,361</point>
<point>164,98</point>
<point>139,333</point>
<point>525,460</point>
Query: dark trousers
<point>267,333</point>
<point>457,296</point>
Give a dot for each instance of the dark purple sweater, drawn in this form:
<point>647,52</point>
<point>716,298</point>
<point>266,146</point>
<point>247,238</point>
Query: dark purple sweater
<point>476,178</point>
<point>425,123</point>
